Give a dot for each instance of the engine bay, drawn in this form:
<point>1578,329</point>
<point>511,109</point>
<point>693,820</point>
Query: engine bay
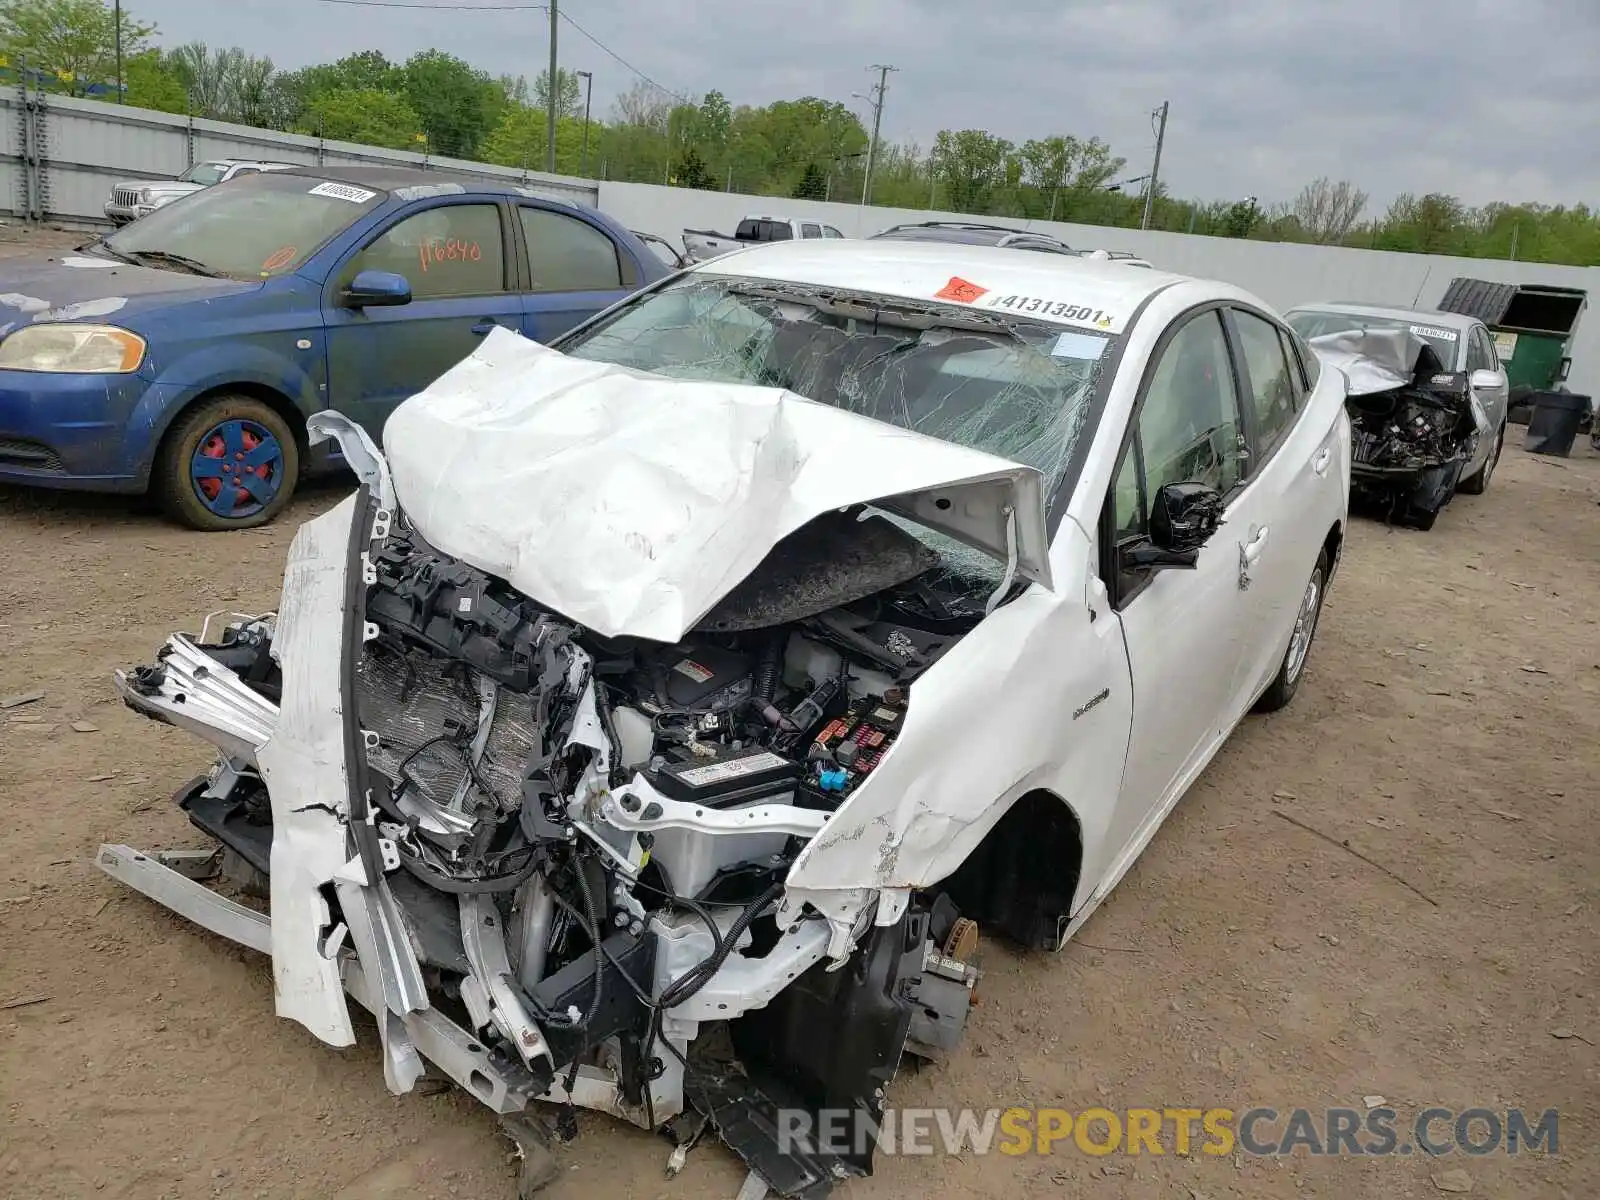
<point>583,840</point>
<point>1409,444</point>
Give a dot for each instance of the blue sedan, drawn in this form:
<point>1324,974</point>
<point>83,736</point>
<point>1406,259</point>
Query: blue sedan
<point>182,354</point>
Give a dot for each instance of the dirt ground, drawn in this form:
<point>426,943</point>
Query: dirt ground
<point>1447,731</point>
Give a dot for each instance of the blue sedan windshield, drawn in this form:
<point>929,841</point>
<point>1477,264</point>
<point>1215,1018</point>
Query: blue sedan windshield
<point>249,228</point>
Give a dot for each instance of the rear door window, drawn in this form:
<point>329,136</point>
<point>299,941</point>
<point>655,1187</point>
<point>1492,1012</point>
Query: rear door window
<point>1272,391</point>
<point>808,230</point>
<point>566,254</point>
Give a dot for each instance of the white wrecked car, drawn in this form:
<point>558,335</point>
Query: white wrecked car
<point>655,728</point>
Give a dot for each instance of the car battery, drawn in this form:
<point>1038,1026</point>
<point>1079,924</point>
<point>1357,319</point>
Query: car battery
<point>729,778</point>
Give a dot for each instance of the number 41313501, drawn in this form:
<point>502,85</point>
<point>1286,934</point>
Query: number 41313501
<point>1052,308</point>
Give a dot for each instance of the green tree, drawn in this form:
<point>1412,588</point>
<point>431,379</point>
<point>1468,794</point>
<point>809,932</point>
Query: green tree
<point>813,184</point>
<point>971,164</point>
<point>521,138</point>
<point>73,40</point>
<point>1240,218</point>
<point>363,115</point>
<point>692,171</point>
<point>569,93</point>
<point>1431,224</point>
<point>458,104</point>
<point>149,83</point>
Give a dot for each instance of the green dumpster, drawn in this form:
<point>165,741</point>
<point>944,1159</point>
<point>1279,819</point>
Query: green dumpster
<point>1533,326</point>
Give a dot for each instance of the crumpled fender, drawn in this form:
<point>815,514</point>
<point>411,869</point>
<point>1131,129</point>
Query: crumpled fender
<point>989,722</point>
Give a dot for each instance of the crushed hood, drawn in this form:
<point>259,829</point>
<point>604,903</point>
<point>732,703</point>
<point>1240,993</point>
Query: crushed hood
<point>1372,360</point>
<point>632,503</point>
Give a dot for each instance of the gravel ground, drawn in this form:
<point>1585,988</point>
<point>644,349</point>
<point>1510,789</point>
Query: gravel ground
<point>1437,947</point>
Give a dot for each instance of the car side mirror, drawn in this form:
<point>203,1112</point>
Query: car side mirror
<point>376,289</point>
<point>1183,517</point>
<point>1482,381</point>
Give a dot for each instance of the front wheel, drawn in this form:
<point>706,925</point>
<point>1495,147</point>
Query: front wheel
<point>1293,668</point>
<point>1479,483</point>
<point>231,463</point>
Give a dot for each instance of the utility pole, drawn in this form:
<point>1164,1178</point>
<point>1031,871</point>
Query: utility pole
<point>1155,167</point>
<point>878,90</point>
<point>117,17</point>
<point>588,94</point>
<point>552,90</point>
<point>1516,228</point>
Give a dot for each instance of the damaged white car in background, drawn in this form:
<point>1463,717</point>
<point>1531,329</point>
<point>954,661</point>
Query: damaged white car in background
<point>658,724</point>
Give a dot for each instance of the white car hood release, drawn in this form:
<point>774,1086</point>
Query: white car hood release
<point>632,503</point>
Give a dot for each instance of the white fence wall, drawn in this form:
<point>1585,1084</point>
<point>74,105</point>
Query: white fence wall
<point>89,145</point>
<point>1281,273</point>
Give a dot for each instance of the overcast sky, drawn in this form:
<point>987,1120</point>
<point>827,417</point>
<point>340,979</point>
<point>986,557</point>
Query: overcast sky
<point>1486,99</point>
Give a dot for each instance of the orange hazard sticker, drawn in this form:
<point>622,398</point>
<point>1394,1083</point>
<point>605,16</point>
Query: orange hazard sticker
<point>961,290</point>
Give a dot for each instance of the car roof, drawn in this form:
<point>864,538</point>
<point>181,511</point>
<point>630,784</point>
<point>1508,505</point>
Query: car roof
<point>391,179</point>
<point>1433,316</point>
<point>917,270</point>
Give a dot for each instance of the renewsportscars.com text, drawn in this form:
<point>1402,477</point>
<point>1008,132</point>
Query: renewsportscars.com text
<point>1259,1132</point>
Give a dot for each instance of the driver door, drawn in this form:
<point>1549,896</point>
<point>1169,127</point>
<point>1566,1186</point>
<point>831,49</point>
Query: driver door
<point>1185,629</point>
<point>457,260</point>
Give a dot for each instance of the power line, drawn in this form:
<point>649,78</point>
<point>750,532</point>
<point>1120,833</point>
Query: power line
<point>607,49</point>
<point>440,7</point>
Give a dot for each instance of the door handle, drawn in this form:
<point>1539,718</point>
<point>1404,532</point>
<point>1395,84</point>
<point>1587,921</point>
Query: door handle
<point>484,326</point>
<point>1319,464</point>
<point>1253,548</point>
<point>1249,552</point>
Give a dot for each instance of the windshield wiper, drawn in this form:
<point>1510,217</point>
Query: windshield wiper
<point>153,257</point>
<point>105,247</point>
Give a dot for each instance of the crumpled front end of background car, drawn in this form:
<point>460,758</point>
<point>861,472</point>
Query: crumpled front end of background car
<point>1414,425</point>
<point>551,859</point>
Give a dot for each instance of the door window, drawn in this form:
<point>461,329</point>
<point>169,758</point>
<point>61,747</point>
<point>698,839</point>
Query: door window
<point>566,254</point>
<point>1272,392</point>
<point>808,230</point>
<point>1189,425</point>
<point>828,231</point>
<point>1480,352</point>
<point>451,250</point>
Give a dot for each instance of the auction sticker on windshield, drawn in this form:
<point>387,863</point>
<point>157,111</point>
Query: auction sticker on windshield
<point>961,290</point>
<point>1056,310</point>
<point>343,191</point>
<point>1434,331</point>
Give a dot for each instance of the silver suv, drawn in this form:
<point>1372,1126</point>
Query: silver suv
<point>134,198</point>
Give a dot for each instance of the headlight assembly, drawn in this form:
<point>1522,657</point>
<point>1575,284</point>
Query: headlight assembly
<point>72,348</point>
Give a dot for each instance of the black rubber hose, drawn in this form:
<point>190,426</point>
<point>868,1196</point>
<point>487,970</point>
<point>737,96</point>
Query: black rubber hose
<point>697,977</point>
<point>770,668</point>
<point>592,928</point>
<point>470,887</point>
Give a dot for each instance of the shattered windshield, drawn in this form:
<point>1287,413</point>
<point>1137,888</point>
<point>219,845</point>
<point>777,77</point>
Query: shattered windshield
<point>1309,324</point>
<point>1015,388</point>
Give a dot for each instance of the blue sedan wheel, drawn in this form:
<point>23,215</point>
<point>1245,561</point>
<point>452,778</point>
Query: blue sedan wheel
<point>229,464</point>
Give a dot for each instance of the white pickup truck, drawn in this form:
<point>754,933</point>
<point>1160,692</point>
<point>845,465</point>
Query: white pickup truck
<point>701,244</point>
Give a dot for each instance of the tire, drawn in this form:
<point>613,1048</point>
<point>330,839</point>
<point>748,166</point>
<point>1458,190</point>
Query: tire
<point>254,451</point>
<point>1293,668</point>
<point>1479,483</point>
